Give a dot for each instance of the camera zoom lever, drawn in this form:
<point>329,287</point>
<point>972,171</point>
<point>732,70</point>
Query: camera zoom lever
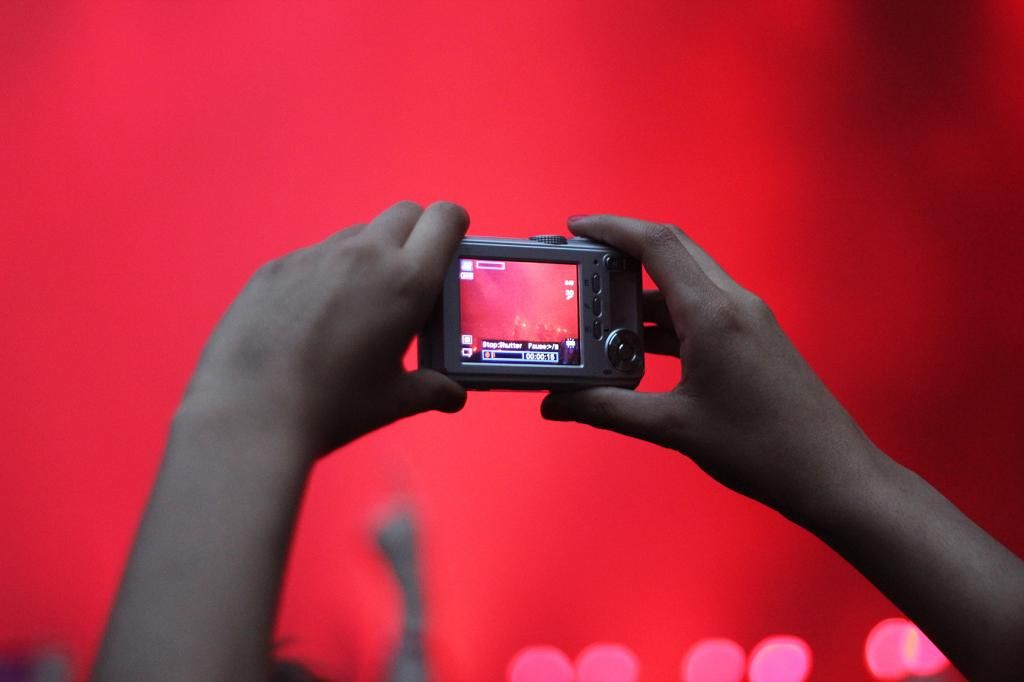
<point>556,239</point>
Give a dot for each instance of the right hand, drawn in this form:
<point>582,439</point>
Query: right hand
<point>748,409</point>
<point>312,348</point>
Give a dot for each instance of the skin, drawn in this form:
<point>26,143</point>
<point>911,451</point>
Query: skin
<point>752,414</point>
<point>284,380</point>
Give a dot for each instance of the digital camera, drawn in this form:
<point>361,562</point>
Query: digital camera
<point>544,313</point>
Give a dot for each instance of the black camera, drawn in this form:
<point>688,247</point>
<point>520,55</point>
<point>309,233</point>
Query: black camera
<point>544,313</point>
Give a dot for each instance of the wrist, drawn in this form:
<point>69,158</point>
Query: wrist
<point>852,477</point>
<point>240,427</point>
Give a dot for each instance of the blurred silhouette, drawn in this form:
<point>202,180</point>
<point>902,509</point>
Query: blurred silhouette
<point>397,540</point>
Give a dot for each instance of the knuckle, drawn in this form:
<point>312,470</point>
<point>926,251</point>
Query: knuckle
<point>657,233</point>
<point>270,269</point>
<point>350,232</point>
<point>370,250</point>
<point>726,316</point>
<point>450,210</point>
<point>407,205</point>
<point>757,308</point>
<point>341,236</point>
<point>660,236</point>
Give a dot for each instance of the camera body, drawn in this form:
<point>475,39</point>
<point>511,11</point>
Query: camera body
<point>544,313</point>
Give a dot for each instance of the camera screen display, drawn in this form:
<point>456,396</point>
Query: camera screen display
<point>519,312</point>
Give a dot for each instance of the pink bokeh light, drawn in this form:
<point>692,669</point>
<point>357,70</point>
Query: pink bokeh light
<point>714,660</point>
<point>920,657</point>
<point>896,648</point>
<point>883,653</point>
<point>607,663</point>
<point>780,658</point>
<point>540,664</point>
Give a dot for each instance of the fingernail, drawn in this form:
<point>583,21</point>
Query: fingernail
<point>579,216</point>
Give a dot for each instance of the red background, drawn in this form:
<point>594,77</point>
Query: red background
<point>522,301</point>
<point>858,165</point>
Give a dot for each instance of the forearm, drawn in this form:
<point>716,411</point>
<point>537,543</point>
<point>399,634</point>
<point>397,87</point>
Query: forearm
<point>283,380</point>
<point>200,591</point>
<point>958,584</point>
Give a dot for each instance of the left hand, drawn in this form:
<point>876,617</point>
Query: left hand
<point>312,347</point>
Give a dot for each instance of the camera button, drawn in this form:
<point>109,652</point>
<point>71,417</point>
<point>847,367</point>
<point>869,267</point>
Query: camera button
<point>595,306</point>
<point>596,283</point>
<point>597,329</point>
<point>623,349</point>
<point>613,262</point>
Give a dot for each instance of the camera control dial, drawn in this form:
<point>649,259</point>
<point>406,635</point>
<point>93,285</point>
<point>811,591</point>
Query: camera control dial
<point>623,348</point>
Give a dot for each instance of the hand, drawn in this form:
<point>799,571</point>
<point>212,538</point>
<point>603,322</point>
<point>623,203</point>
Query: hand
<point>313,345</point>
<point>748,409</point>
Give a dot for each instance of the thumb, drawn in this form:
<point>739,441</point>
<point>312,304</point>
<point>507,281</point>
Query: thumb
<point>655,417</point>
<point>425,390</point>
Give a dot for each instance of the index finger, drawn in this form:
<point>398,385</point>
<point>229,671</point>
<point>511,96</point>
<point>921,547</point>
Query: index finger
<point>672,267</point>
<point>434,239</point>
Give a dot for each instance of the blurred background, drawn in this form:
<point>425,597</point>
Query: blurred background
<point>859,165</point>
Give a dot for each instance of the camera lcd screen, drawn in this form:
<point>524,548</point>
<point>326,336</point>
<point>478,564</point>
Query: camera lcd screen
<point>519,312</point>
